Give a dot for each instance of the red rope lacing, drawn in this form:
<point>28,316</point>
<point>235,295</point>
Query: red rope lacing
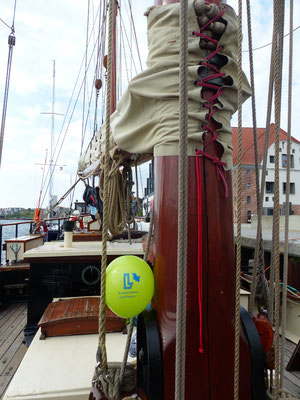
<point>215,160</point>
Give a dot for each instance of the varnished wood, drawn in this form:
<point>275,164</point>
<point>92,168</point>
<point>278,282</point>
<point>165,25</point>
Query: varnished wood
<point>77,316</point>
<point>208,375</point>
<point>15,266</point>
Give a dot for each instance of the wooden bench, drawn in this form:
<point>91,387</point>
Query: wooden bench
<point>13,287</point>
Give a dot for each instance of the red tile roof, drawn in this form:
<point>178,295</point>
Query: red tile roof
<point>248,144</point>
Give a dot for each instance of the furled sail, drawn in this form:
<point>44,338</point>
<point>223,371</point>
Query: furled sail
<point>147,117</point>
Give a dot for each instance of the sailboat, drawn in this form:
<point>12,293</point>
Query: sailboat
<point>187,342</point>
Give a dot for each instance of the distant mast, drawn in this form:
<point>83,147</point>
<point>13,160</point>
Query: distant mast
<point>52,165</point>
<point>51,201</point>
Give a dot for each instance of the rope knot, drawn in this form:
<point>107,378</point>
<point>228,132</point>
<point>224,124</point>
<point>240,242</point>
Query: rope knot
<point>219,165</point>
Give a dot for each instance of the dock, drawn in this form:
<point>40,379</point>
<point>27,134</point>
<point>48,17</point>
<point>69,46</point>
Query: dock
<point>13,317</point>
<point>248,239</point>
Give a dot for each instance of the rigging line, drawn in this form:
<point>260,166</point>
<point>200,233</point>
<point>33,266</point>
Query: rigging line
<point>87,118</point>
<point>134,31</point>
<point>99,64</point>
<point>12,27</point>
<point>120,58</point>
<point>130,49</point>
<point>69,105</point>
<point>259,251</point>
<point>239,210</point>
<point>279,23</point>
<point>269,44</point>
<point>77,79</point>
<point>287,200</point>
<point>13,23</point>
<point>85,75</point>
<point>71,116</point>
<point>5,23</point>
<point>11,43</point>
<point>125,59</point>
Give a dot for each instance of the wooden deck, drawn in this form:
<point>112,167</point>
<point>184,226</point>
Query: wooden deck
<point>13,318</point>
<point>292,379</point>
<point>12,347</point>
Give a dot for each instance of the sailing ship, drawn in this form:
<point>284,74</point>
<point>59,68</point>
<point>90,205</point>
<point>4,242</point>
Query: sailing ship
<point>187,344</point>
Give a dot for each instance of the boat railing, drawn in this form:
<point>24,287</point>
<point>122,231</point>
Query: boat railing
<point>57,220</point>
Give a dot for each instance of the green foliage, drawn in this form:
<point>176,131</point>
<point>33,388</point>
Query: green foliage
<point>26,214</point>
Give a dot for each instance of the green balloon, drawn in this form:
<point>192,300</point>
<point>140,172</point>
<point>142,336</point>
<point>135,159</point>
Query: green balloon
<point>129,286</point>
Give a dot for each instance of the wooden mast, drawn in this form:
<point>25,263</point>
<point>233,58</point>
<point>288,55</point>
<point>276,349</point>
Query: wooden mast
<point>209,375</point>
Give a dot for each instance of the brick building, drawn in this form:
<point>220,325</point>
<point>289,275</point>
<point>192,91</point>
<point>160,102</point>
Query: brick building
<point>249,200</point>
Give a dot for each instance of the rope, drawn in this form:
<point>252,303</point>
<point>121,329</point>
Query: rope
<point>137,188</point>
<point>128,183</point>
<point>287,200</point>
<point>283,394</point>
<point>269,44</point>
<point>85,77</point>
<point>134,33</point>
<point>239,213</point>
<point>119,376</point>
<point>278,23</point>
<point>11,43</point>
<point>182,207</point>
<point>102,308</point>
<point>259,250</point>
<point>116,205</point>
<point>71,116</point>
<point>262,189</point>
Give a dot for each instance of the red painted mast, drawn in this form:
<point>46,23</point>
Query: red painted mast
<point>209,375</point>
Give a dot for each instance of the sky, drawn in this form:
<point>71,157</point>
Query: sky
<point>56,30</point>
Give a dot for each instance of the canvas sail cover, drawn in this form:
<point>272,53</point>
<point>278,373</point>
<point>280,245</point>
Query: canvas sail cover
<point>147,116</point>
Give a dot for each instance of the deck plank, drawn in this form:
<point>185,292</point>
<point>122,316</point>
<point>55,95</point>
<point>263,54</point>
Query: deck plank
<point>13,318</point>
<point>291,379</point>
<point>12,348</point>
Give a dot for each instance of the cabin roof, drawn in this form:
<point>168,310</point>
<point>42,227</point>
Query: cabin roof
<point>248,144</point>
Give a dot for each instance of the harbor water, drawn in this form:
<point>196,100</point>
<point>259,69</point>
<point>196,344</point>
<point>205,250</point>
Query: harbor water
<point>9,231</point>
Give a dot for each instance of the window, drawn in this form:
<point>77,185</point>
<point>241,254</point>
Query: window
<point>267,199</point>
<point>248,171</point>
<point>272,159</point>
<point>269,187</point>
<point>280,149</point>
<point>248,199</point>
<point>267,173</point>
<point>293,151</point>
<point>284,161</point>
<point>292,188</point>
<point>248,185</point>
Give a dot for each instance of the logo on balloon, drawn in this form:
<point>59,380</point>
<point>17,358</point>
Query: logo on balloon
<point>129,286</point>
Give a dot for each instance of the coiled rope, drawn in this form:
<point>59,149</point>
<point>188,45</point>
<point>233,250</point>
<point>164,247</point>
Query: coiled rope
<point>116,205</point>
